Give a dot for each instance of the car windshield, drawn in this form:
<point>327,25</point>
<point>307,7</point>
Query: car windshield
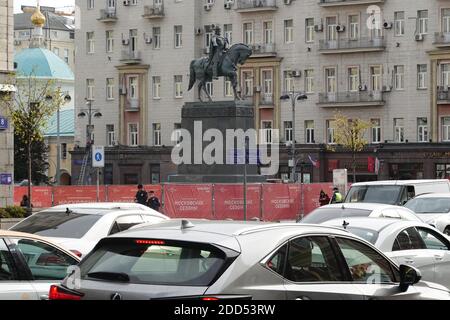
<point>429,205</point>
<point>366,234</point>
<point>374,194</point>
<point>58,224</point>
<point>324,214</point>
<point>156,262</point>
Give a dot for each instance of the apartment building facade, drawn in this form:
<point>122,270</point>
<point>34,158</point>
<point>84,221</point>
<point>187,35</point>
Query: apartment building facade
<point>6,92</point>
<point>378,60</point>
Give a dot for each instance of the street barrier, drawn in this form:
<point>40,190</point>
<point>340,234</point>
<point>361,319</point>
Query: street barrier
<point>229,201</point>
<point>281,201</point>
<point>188,201</point>
<point>41,196</point>
<point>77,194</point>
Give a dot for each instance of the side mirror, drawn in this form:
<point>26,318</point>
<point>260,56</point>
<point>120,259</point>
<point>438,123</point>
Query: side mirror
<point>408,276</point>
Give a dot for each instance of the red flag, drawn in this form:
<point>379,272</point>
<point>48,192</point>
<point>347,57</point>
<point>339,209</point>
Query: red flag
<point>371,164</point>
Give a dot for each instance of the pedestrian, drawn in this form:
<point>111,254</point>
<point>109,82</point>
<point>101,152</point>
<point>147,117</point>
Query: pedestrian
<point>337,196</point>
<point>141,195</point>
<point>324,199</point>
<point>25,201</point>
<point>153,201</point>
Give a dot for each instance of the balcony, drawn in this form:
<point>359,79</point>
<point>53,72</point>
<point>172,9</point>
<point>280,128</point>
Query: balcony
<point>442,39</point>
<point>337,3</point>
<point>266,100</point>
<point>352,46</point>
<point>351,99</point>
<point>132,105</point>
<point>108,15</point>
<point>443,95</point>
<point>131,57</point>
<point>264,50</point>
<point>256,5</point>
<point>155,11</point>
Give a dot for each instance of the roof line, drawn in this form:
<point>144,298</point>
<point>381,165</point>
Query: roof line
<point>279,226</point>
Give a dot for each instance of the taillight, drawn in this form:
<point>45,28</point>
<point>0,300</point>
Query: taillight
<point>210,299</point>
<point>151,242</point>
<point>58,293</point>
<point>77,253</point>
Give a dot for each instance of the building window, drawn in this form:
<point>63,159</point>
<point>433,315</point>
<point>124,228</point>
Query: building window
<point>133,135</point>
<point>109,41</point>
<point>267,89</point>
<point>422,20</point>
<point>288,131</point>
<point>399,130</point>
<point>353,30</point>
<point>248,33</point>
<point>309,81</point>
<point>446,129</point>
<point>56,51</point>
<point>110,135</point>
<point>330,80</point>
<point>90,89</point>
<point>330,131</point>
<point>422,130</point>
<point>331,28</point>
<point>66,55</point>
<point>133,41</point>
<point>134,2</point>
<point>399,23</point>
<point>376,130</point>
<point>353,79</point>
<point>288,81</point>
<point>155,174</point>
<point>156,37</point>
<point>178,86</point>
<point>210,88</point>
<point>228,32</point>
<point>375,78</point>
<point>63,151</point>
<point>228,90</point>
<point>399,77</point>
<point>110,88</point>
<point>266,132</point>
<point>90,42</point>
<point>309,131</point>
<point>445,75</point>
<point>443,171</point>
<point>157,134</point>
<point>133,87</point>
<point>248,83</point>
<point>446,20</point>
<point>208,36</point>
<point>268,32</point>
<point>156,87</point>
<point>288,31</point>
<point>421,76</point>
<point>178,36</point>
<point>90,4</point>
<point>309,30</point>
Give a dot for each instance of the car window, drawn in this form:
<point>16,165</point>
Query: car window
<point>44,261</point>
<point>429,205</point>
<point>311,259</point>
<point>374,194</point>
<point>6,263</point>
<point>277,262</point>
<point>432,239</point>
<point>125,222</point>
<point>408,239</point>
<point>364,263</point>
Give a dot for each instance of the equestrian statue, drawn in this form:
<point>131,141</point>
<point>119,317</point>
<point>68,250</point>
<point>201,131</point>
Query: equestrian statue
<point>221,62</point>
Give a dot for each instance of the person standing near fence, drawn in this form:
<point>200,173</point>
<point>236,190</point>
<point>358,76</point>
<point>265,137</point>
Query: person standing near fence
<point>153,201</point>
<point>141,195</point>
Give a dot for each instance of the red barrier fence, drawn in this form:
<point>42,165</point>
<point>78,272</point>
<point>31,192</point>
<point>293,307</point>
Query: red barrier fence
<point>270,201</point>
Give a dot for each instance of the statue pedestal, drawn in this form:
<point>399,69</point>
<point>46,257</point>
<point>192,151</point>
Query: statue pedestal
<point>220,115</point>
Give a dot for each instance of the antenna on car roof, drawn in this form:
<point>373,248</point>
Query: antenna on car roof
<point>68,211</point>
<point>345,224</point>
<point>185,224</point>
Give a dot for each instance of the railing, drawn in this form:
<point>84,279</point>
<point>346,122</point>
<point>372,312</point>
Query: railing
<point>108,14</point>
<point>154,11</point>
<point>266,99</point>
<point>131,56</point>
<point>345,44</point>
<point>350,97</point>
<point>442,38</point>
<point>132,104</point>
<point>264,48</point>
<point>443,94</point>
<point>254,4</point>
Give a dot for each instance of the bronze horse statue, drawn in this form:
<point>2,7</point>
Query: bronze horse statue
<point>200,71</point>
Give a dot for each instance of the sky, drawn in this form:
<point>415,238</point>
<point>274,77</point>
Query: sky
<point>50,3</point>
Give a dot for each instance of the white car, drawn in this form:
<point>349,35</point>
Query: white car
<point>433,208</point>
<point>375,210</point>
<point>105,205</point>
<point>406,242</point>
<point>79,229</point>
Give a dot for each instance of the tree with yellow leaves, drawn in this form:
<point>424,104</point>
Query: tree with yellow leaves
<point>349,134</point>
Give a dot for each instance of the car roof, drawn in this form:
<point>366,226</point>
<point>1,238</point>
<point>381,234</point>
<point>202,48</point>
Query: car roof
<point>104,205</point>
<point>433,195</point>
<point>397,182</point>
<point>375,224</point>
<point>358,205</point>
<point>104,211</point>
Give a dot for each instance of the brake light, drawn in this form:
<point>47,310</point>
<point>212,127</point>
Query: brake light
<point>210,299</point>
<point>58,293</point>
<point>153,242</point>
<point>77,253</point>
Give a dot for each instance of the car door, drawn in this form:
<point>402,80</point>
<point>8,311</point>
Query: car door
<point>439,247</point>
<point>47,264</point>
<point>14,283</point>
<point>373,275</point>
<point>312,272</point>
<point>410,249</point>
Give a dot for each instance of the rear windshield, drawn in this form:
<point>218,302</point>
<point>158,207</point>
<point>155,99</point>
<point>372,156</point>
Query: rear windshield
<point>163,263</point>
<point>430,205</point>
<point>324,214</point>
<point>366,234</point>
<point>374,194</point>
<point>58,224</point>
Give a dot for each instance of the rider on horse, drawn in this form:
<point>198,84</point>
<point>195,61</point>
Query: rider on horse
<point>218,46</point>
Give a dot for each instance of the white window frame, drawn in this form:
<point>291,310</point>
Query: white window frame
<point>422,27</point>
<point>90,4</point>
<point>288,31</point>
<point>330,132</point>
<point>376,79</point>
<point>288,131</point>
<point>309,132</point>
<point>445,20</point>
<point>110,89</point>
<point>331,28</point>
<point>109,41</point>
<point>133,87</point>
<point>247,33</point>
<point>268,32</point>
<point>156,81</point>
<point>422,130</point>
<point>178,86</point>
<point>133,136</point>
<point>228,32</point>
<point>375,136</point>
<point>445,128</point>
<point>110,135</point>
<point>353,79</point>
<point>178,32</point>
<point>157,134</point>
<point>309,81</point>
<point>228,88</point>
<point>288,81</point>
<point>90,42</point>
<point>422,77</point>
<point>90,87</point>
<point>309,31</point>
<point>267,85</point>
<point>247,76</point>
<point>353,27</point>
<point>330,80</point>
<point>399,24</point>
<point>399,77</point>
<point>156,38</point>
<point>210,88</point>
<point>399,130</point>
<point>266,133</point>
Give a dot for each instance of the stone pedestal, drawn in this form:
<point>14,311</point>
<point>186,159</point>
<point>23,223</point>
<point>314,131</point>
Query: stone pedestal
<point>220,115</point>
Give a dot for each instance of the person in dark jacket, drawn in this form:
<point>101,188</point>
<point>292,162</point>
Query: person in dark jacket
<point>141,195</point>
<point>324,199</point>
<point>153,201</point>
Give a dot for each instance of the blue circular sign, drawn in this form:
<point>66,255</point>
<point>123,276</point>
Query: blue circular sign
<point>98,157</point>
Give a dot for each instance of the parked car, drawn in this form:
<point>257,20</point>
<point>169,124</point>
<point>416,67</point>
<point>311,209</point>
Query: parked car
<point>433,208</point>
<point>29,264</point>
<point>79,229</point>
<point>376,210</point>
<point>106,205</point>
<point>396,192</point>
<point>406,242</point>
<point>238,260</point>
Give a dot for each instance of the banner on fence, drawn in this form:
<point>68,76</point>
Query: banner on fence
<point>280,201</point>
<point>41,197</point>
<point>229,201</point>
<point>188,201</point>
<point>77,194</point>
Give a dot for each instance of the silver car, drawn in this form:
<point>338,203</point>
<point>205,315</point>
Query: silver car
<point>237,260</point>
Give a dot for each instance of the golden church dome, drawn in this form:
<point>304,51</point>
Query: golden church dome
<point>38,19</point>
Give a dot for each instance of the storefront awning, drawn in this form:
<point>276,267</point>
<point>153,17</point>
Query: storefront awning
<point>7,88</point>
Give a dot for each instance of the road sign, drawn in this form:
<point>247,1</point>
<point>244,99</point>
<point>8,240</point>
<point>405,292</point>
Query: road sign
<point>3,123</point>
<point>98,156</point>
<point>5,178</point>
